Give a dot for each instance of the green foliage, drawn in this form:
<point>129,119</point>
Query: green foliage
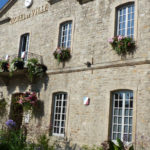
<point>122,45</point>
<point>43,143</point>
<point>4,66</point>
<point>62,54</point>
<point>109,146</point>
<point>35,69</point>
<point>119,146</point>
<point>12,140</point>
<point>16,140</point>
<point>16,63</point>
<point>3,104</point>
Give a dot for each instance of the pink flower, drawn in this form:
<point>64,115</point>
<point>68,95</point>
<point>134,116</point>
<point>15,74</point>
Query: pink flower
<point>111,40</point>
<point>58,50</point>
<point>129,44</point>
<point>20,101</point>
<point>120,38</point>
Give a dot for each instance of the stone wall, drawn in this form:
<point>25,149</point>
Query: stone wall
<point>93,25</point>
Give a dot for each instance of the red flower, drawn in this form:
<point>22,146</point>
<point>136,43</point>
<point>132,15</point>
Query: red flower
<point>129,44</point>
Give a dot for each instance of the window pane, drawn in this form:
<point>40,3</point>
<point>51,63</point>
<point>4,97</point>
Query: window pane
<point>124,11</point>
<point>125,137</point>
<point>130,120</point>
<point>115,128</point>
<point>120,96</point>
<point>126,112</point>
<point>130,112</point>
<point>129,138</point>
<point>127,95</point>
<point>120,103</point>
<point>120,112</point>
<point>115,119</point>
<point>129,10</point>
<point>116,103</point>
<point>119,120</point>
<point>119,136</point>
<point>115,111</point>
<point>131,95</point>
<point>125,129</point>
<point>131,104</point>
<point>126,104</point>
<point>119,128</point>
<point>114,136</point>
<point>130,129</point>
<point>133,16</point>
<point>62,130</point>
<point>116,96</point>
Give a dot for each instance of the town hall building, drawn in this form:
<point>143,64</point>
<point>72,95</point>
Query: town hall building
<point>94,93</point>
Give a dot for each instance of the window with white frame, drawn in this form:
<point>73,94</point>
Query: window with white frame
<point>122,116</point>
<point>59,114</point>
<point>125,20</point>
<point>24,46</point>
<point>65,34</point>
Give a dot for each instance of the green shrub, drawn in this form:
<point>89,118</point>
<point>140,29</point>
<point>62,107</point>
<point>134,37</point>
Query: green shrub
<point>12,140</point>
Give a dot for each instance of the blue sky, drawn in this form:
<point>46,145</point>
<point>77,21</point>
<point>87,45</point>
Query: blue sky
<point>3,2</point>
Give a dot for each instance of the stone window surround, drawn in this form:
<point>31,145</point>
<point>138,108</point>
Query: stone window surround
<point>112,24</point>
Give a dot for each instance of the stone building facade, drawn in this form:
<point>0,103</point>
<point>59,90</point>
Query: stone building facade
<point>91,23</point>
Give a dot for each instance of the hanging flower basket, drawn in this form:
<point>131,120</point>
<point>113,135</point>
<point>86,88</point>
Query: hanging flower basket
<point>28,100</point>
<point>4,66</point>
<point>35,69</point>
<point>122,45</point>
<point>62,54</point>
<point>19,64</point>
<point>16,64</point>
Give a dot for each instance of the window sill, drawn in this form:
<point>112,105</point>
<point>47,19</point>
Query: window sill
<point>58,138</point>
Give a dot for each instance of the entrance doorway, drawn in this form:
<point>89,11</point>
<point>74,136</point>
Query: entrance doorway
<point>16,110</point>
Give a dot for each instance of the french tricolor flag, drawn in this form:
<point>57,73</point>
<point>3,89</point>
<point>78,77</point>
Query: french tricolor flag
<point>86,100</point>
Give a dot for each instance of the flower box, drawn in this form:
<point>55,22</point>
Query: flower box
<point>62,54</point>
<point>122,45</point>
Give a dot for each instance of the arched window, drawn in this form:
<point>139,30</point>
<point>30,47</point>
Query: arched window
<point>122,115</point>
<point>125,20</point>
<point>65,34</point>
<point>59,113</point>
